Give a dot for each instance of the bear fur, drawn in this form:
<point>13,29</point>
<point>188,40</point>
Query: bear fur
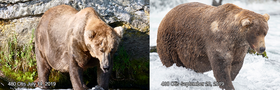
<point>72,41</point>
<point>203,37</point>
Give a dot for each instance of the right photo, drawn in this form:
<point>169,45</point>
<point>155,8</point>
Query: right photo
<point>214,44</point>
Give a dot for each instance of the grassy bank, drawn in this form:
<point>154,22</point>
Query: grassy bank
<point>18,64</point>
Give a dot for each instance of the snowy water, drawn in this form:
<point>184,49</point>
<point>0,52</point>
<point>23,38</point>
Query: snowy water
<point>257,73</point>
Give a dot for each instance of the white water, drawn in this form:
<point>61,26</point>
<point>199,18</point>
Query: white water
<point>257,73</point>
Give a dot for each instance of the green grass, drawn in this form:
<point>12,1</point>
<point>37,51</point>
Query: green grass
<point>251,51</point>
<point>18,62</point>
<point>121,61</point>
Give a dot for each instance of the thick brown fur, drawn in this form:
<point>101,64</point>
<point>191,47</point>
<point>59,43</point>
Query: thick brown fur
<point>203,37</point>
<point>71,41</point>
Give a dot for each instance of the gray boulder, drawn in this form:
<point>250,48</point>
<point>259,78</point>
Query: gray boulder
<point>20,17</point>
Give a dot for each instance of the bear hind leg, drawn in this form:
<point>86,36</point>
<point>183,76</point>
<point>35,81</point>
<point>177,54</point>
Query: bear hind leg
<point>168,58</point>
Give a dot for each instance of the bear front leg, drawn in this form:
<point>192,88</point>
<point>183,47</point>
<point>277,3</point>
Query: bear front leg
<point>103,78</point>
<point>237,62</point>
<point>221,66</point>
<point>235,69</point>
<point>43,69</point>
<point>76,75</point>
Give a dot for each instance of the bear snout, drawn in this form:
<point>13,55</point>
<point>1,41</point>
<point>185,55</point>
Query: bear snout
<point>106,68</point>
<point>105,63</point>
<point>262,49</point>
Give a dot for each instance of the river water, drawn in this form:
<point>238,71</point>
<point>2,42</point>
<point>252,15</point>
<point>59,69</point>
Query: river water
<point>257,73</point>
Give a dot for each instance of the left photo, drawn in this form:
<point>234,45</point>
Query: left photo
<point>73,44</point>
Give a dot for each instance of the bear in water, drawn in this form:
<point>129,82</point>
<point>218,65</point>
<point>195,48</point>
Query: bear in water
<point>203,37</point>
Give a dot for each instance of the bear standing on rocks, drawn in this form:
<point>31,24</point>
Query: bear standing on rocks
<point>203,37</point>
<point>71,41</point>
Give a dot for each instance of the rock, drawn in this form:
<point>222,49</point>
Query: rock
<point>136,43</point>
<point>115,9</point>
<point>13,1</point>
<point>153,49</point>
<point>21,27</point>
<point>215,3</point>
<point>22,16</point>
<point>97,88</point>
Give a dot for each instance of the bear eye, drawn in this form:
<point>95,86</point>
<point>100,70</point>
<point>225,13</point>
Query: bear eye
<point>101,50</point>
<point>91,37</point>
<point>258,33</point>
<point>112,50</point>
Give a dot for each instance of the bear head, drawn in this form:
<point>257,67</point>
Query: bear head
<point>102,41</point>
<point>256,28</point>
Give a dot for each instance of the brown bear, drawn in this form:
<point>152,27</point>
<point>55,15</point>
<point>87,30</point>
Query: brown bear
<point>203,37</point>
<point>71,41</point>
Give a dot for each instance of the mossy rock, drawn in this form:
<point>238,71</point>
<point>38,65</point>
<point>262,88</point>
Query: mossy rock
<point>153,49</point>
<point>131,61</point>
<point>128,72</point>
<point>135,41</point>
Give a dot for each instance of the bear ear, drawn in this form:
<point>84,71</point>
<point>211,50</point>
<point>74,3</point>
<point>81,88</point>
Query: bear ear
<point>266,16</point>
<point>90,33</point>
<point>119,31</point>
<point>245,22</point>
